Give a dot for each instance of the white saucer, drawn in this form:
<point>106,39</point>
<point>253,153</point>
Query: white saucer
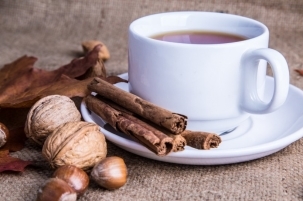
<point>259,136</point>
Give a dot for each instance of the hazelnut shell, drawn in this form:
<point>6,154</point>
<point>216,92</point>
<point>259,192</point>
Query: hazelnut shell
<point>74,177</point>
<point>56,189</point>
<point>110,173</point>
<point>90,44</point>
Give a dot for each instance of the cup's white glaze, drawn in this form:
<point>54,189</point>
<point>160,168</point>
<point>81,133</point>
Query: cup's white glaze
<point>216,85</point>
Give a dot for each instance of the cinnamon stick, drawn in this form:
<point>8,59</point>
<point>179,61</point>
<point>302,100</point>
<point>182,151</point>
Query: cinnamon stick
<point>156,142</point>
<point>201,140</point>
<point>179,142</point>
<point>175,123</point>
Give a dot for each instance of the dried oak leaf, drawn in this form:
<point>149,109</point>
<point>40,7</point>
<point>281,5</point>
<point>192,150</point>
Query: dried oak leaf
<point>8,163</point>
<point>98,70</point>
<point>21,79</point>
<point>64,86</point>
<point>16,140</point>
<point>114,79</point>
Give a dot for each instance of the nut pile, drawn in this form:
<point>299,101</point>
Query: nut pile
<point>72,147</point>
<point>69,181</point>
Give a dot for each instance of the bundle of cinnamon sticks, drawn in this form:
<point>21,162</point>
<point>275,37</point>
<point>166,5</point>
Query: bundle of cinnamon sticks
<point>158,129</point>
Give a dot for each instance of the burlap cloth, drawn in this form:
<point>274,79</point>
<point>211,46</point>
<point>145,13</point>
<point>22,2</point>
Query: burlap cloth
<point>53,31</point>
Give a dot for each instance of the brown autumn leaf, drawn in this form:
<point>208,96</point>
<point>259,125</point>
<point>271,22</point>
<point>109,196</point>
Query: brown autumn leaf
<point>16,140</point>
<point>98,70</point>
<point>65,86</point>
<point>16,68</point>
<point>8,163</point>
<point>19,80</point>
<point>115,79</point>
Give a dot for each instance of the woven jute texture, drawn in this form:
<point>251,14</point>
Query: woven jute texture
<point>53,31</point>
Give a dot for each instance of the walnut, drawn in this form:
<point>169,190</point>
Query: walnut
<point>47,114</point>
<point>81,144</point>
<point>3,134</point>
<point>90,44</point>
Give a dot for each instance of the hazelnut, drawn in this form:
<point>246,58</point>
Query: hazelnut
<point>56,189</point>
<point>47,114</point>
<point>3,134</point>
<point>110,173</point>
<point>81,144</point>
<point>74,177</point>
<point>90,44</point>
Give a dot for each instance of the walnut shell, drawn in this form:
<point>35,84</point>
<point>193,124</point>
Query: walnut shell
<point>3,134</point>
<point>90,44</point>
<point>81,144</point>
<point>47,114</point>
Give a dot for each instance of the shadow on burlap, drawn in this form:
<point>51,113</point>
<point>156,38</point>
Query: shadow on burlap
<point>53,31</point>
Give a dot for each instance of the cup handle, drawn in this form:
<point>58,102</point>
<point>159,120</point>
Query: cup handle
<point>252,103</point>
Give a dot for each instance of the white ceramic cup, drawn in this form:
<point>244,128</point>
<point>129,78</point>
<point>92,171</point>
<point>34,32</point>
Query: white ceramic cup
<point>216,86</point>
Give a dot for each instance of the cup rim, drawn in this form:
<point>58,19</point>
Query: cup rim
<point>253,21</point>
